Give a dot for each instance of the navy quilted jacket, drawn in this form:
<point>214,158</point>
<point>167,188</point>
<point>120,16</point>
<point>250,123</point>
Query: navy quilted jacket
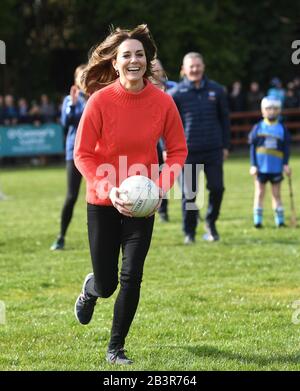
<point>204,113</point>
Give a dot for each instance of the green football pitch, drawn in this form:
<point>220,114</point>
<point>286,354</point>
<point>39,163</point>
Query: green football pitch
<point>230,305</point>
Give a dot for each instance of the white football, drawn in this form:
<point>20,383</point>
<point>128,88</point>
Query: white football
<point>142,192</point>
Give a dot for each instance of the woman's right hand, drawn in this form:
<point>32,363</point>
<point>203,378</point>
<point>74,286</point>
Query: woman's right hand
<point>118,203</point>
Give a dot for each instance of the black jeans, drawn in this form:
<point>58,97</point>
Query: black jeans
<point>108,232</point>
<point>213,169</point>
<point>73,186</point>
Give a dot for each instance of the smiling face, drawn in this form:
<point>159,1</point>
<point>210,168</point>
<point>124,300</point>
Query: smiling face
<point>193,68</point>
<point>131,63</point>
<point>271,113</point>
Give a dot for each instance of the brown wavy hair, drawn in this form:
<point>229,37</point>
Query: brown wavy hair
<point>79,69</point>
<point>100,72</point>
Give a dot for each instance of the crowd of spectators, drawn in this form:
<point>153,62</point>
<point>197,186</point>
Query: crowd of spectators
<point>242,100</point>
<point>14,112</point>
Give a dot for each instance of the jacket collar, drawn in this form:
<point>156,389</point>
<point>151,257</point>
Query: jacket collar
<point>191,86</point>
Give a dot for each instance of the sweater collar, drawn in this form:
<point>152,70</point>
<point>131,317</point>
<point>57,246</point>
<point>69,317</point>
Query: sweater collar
<point>132,97</point>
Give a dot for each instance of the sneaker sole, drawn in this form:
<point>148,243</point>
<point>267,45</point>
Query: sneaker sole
<point>209,238</point>
<point>83,285</point>
<point>118,362</point>
<point>57,248</point>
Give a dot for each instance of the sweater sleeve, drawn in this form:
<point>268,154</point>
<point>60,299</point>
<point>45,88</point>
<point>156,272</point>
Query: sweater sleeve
<point>286,146</point>
<point>224,118</point>
<point>63,116</point>
<point>252,141</point>
<point>175,146</point>
<point>87,137</point>
<point>69,116</point>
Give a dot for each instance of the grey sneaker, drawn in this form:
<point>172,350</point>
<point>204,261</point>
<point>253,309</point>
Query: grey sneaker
<point>84,305</point>
<point>118,356</point>
<point>189,239</point>
<point>164,217</point>
<point>59,244</point>
<point>211,233</point>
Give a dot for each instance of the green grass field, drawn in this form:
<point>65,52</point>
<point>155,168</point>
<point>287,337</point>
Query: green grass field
<point>212,306</point>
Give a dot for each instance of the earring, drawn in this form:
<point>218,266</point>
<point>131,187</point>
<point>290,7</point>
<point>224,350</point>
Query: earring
<point>117,72</point>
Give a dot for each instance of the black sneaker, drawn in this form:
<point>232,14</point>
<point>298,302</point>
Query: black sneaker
<point>189,239</point>
<point>258,225</point>
<point>211,233</point>
<point>84,305</point>
<point>59,244</point>
<point>164,217</point>
<point>281,225</point>
<point>118,356</point>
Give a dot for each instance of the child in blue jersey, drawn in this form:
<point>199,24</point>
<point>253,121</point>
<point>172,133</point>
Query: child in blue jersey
<point>72,109</point>
<point>269,154</point>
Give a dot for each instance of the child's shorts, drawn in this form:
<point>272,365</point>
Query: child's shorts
<point>273,178</point>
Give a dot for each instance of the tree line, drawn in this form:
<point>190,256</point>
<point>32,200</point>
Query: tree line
<point>46,39</point>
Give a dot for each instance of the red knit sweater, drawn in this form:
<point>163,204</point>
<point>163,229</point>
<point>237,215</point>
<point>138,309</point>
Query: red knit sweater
<point>119,129</point>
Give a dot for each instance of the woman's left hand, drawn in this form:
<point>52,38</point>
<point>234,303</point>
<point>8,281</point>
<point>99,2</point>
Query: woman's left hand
<point>161,195</point>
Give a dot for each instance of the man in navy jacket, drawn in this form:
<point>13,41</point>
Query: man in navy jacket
<point>202,104</point>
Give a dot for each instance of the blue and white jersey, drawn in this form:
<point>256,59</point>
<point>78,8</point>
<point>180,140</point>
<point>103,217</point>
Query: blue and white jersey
<point>70,117</point>
<point>269,147</point>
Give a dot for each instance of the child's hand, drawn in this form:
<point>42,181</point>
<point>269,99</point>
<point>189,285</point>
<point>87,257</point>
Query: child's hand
<point>253,170</point>
<point>225,154</point>
<point>287,170</point>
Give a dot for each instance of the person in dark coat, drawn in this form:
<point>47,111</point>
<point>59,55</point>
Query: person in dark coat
<point>203,107</point>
